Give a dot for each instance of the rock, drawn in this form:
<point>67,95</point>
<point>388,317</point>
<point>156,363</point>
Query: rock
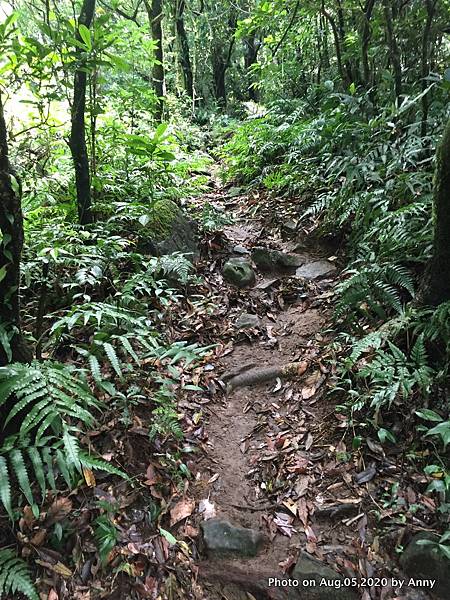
<point>239,272</point>
<point>316,269</point>
<point>289,228</point>
<point>234,192</point>
<point>426,562</point>
<point>167,229</point>
<point>238,249</point>
<point>222,539</point>
<point>267,259</point>
<point>247,321</point>
<point>309,569</point>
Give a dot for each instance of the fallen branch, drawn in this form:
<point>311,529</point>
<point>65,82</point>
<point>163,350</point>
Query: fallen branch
<point>263,374</point>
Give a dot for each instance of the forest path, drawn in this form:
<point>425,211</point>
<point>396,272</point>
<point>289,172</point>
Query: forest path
<point>271,460</point>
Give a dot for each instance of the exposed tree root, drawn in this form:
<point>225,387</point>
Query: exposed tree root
<point>263,374</point>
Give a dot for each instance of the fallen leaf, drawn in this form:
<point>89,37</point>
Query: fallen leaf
<point>151,475</point>
<point>181,510</point>
<point>39,537</point>
<point>62,570</point>
<point>207,509</point>
<point>58,511</point>
<point>283,522</point>
<point>366,475</point>
<point>89,477</point>
<point>52,595</point>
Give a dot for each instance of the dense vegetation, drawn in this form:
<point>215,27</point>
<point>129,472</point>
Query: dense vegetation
<point>111,114</point>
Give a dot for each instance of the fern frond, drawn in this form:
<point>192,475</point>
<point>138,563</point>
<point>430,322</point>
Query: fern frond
<point>38,467</point>
<point>5,486</point>
<point>92,462</point>
<point>19,469</point>
<point>15,576</point>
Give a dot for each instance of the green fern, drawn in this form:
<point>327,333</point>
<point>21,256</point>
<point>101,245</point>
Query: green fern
<point>114,332</point>
<point>15,576</point>
<point>52,398</point>
<point>48,393</point>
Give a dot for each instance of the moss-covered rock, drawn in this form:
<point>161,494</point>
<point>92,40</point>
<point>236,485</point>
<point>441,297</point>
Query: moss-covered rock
<point>239,272</point>
<point>168,229</point>
<point>160,219</point>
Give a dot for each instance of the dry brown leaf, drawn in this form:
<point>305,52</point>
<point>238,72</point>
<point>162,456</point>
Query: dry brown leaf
<point>89,477</point>
<point>39,537</point>
<point>52,595</point>
<point>58,511</point>
<point>181,510</point>
<point>151,475</point>
<point>62,570</point>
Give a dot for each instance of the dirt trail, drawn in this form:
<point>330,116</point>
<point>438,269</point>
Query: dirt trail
<point>250,428</point>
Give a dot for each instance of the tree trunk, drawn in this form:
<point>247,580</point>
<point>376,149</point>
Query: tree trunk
<point>77,140</point>
<point>394,52</point>
<point>365,40</point>
<point>337,45</point>
<point>425,67</point>
<point>11,243</point>
<point>251,47</point>
<point>185,55</point>
<point>436,283</point>
<point>155,16</point>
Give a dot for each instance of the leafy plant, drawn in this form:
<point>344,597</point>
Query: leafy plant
<point>48,400</point>
<point>106,534</point>
<point>15,576</point>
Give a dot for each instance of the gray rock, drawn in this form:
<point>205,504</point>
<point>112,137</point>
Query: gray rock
<point>182,238</point>
<point>247,321</point>
<point>234,192</point>
<point>222,539</point>
<point>316,269</point>
<point>289,228</point>
<point>309,569</point>
<point>426,562</point>
<point>238,249</point>
<point>267,259</point>
<point>239,272</point>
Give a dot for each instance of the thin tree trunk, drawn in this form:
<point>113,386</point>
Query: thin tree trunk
<point>251,48</point>
<point>13,347</point>
<point>77,140</point>
<point>394,51</point>
<point>155,16</point>
<point>436,284</point>
<point>365,40</point>
<point>425,67</point>
<point>337,45</point>
<point>185,55</point>
<point>220,64</point>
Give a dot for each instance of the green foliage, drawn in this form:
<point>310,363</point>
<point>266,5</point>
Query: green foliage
<point>15,577</point>
<point>106,536</point>
<point>110,328</point>
<point>51,404</point>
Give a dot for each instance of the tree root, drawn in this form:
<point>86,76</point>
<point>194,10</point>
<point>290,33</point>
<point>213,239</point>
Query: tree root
<point>263,374</point>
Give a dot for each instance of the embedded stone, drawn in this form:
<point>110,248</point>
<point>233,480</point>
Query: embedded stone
<point>247,321</point>
<point>223,539</point>
<point>316,269</point>
<point>239,272</point>
<point>423,562</point>
<point>328,584</point>
<point>268,259</point>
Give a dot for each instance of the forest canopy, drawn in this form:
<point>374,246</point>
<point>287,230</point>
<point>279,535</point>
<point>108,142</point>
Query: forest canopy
<point>224,297</point>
